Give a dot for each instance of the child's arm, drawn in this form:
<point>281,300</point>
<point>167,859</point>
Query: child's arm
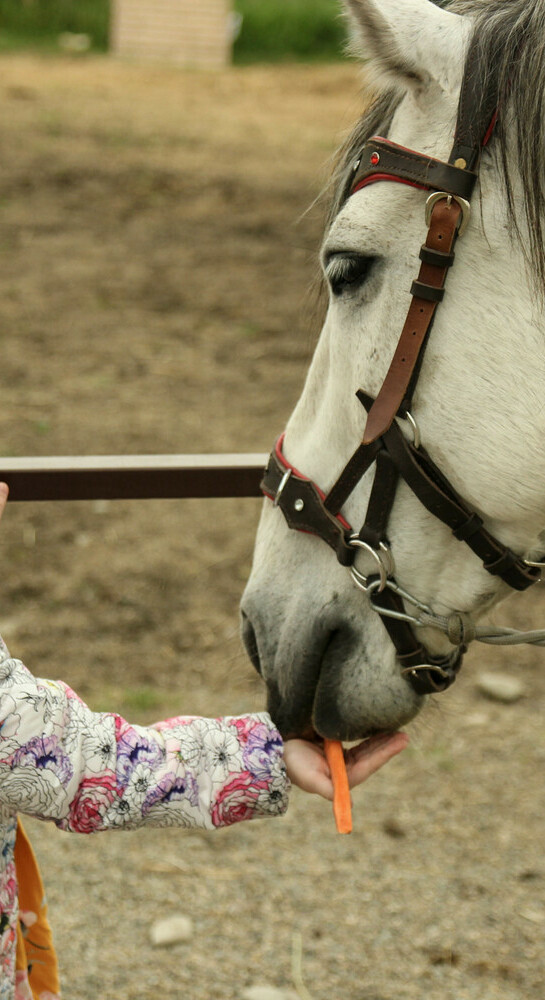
<point>90,771</point>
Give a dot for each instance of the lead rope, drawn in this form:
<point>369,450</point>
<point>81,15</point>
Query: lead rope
<point>458,626</point>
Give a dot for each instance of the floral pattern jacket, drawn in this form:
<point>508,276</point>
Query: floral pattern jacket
<point>89,771</point>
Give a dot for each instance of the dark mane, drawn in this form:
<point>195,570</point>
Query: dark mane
<point>511,37</point>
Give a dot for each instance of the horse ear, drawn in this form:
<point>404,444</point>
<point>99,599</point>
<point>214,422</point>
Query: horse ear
<point>407,41</point>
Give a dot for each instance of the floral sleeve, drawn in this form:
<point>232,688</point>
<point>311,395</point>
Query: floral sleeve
<point>90,771</point>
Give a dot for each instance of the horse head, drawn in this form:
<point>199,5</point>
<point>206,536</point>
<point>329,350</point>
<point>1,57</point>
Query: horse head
<point>473,397</point>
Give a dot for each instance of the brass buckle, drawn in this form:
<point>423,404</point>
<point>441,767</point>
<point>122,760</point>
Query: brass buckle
<point>464,205</point>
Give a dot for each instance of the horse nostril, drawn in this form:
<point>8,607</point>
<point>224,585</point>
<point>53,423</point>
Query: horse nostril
<point>250,642</point>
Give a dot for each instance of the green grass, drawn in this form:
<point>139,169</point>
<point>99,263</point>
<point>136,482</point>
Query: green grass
<point>275,30</point>
<point>39,22</point>
<point>143,702</point>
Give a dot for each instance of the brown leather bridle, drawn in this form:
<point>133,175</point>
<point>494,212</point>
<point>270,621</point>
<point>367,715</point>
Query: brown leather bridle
<point>305,506</point>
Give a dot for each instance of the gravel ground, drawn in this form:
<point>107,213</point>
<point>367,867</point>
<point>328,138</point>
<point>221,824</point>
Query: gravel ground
<point>155,259</point>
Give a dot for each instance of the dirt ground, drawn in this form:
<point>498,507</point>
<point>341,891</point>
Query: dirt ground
<point>155,261</point>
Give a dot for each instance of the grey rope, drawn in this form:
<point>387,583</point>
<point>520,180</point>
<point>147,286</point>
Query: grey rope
<point>461,630</point>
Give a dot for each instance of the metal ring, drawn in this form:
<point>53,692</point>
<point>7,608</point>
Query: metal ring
<point>417,440</point>
<point>464,205</point>
<point>426,666</point>
<point>361,582</point>
<point>359,579</point>
<point>389,564</point>
<point>281,486</point>
<point>535,565</point>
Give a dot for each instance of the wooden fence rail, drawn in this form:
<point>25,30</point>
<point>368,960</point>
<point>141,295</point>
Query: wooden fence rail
<point>132,477</point>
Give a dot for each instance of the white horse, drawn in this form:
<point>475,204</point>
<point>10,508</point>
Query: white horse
<point>329,664</point>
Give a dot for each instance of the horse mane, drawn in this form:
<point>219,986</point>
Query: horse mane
<point>510,35</point>
<point>375,120</point>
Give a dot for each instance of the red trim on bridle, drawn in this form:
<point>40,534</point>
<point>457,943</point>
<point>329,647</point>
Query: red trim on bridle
<point>490,128</point>
<point>287,465</point>
<point>387,177</point>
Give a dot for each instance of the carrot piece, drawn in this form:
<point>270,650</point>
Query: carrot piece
<point>342,809</point>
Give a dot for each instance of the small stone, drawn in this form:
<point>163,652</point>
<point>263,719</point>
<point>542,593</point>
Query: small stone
<point>533,915</point>
<point>171,930</point>
<point>500,687</point>
<point>393,828</point>
<point>263,992</point>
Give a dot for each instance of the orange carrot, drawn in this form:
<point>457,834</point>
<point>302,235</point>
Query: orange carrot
<point>342,810</point>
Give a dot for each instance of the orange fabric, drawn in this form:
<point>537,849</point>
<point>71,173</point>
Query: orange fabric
<point>36,957</point>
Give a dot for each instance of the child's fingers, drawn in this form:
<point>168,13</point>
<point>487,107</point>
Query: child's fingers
<point>4,491</point>
<point>320,784</point>
<point>365,759</point>
<point>307,768</point>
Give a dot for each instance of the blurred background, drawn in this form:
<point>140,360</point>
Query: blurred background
<point>255,30</point>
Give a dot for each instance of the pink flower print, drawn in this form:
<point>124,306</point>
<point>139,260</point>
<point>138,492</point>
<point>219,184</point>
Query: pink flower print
<point>236,801</point>
<point>181,720</point>
<point>8,922</point>
<point>92,799</point>
<point>8,935</point>
<point>70,694</point>
<point>243,726</point>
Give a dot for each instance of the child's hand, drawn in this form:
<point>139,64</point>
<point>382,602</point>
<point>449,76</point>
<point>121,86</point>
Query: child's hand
<point>3,497</point>
<point>308,769</point>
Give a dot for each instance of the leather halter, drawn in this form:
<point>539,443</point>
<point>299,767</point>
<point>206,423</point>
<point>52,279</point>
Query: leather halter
<point>304,505</point>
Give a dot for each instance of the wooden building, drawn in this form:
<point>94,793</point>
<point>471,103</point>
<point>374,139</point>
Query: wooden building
<point>182,32</point>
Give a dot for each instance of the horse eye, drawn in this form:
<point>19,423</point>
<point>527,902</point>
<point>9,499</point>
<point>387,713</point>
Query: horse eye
<point>347,271</point>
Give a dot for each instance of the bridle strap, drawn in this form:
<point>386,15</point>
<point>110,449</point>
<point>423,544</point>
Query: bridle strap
<point>381,500</point>
<point>478,107</point>
<point>412,655</point>
<point>381,159</point>
<point>439,497</point>
<point>427,292</point>
<point>477,110</point>
<point>302,504</point>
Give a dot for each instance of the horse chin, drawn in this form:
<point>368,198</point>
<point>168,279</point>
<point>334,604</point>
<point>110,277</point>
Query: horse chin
<point>333,688</point>
<point>335,715</point>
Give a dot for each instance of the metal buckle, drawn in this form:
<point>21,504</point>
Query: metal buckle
<point>464,205</point>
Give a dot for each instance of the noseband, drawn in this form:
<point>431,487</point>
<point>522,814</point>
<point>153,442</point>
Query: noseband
<point>394,453</point>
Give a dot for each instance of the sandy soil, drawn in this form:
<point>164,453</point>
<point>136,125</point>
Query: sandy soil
<point>156,259</point>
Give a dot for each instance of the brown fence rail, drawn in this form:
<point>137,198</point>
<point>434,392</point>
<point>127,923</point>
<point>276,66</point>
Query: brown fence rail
<point>132,477</point>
